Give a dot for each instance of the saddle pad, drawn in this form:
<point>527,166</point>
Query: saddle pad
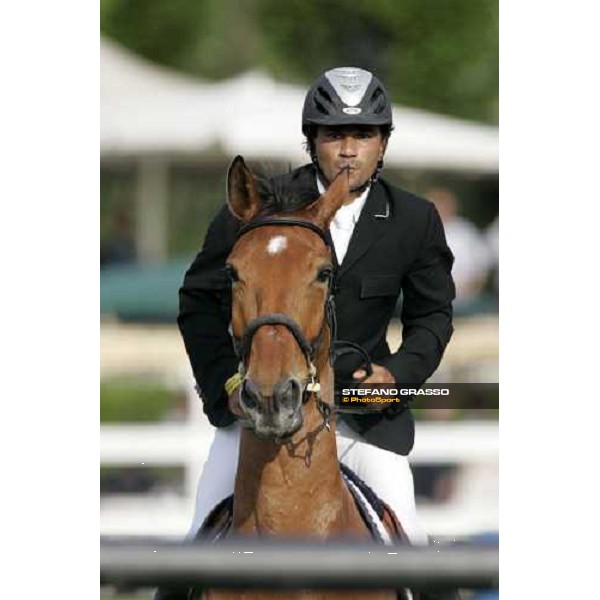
<point>218,522</point>
<point>377,515</point>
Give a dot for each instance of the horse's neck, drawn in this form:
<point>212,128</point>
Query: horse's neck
<point>295,488</point>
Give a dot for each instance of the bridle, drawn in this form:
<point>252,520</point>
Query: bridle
<point>243,344</point>
<point>309,348</point>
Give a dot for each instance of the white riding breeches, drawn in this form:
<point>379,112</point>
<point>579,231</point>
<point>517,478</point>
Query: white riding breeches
<point>386,473</point>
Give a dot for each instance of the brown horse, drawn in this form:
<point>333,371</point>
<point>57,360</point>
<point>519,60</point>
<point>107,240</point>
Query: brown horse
<point>288,480</point>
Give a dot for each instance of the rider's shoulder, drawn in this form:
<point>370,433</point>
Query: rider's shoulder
<point>405,201</point>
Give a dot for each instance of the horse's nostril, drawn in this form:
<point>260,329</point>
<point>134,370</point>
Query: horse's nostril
<point>249,395</point>
<point>249,402</point>
<point>294,388</point>
<point>287,394</point>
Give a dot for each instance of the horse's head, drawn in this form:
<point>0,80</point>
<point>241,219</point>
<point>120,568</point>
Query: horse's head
<point>281,276</point>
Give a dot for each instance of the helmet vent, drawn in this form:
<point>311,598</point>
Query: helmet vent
<point>321,108</point>
<point>325,94</point>
<point>377,101</point>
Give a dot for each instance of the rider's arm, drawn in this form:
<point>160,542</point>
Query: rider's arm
<point>428,292</point>
<point>204,315</point>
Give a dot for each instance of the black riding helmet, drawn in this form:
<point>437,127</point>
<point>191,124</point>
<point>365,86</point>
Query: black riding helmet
<point>346,96</point>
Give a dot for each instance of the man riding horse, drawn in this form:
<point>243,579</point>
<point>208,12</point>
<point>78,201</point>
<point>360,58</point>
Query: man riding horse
<point>387,242</point>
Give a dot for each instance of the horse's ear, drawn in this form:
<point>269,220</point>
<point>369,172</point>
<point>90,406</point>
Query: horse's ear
<point>242,195</point>
<point>327,205</point>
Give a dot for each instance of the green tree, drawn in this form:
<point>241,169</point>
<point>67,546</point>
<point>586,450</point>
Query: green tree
<point>440,55</point>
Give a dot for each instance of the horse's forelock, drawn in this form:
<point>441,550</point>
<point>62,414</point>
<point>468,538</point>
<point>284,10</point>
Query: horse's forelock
<point>276,198</point>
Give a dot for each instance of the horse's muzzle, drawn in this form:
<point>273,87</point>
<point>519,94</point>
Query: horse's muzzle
<point>278,415</point>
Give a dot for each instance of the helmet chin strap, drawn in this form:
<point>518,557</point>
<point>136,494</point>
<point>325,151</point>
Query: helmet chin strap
<point>359,189</point>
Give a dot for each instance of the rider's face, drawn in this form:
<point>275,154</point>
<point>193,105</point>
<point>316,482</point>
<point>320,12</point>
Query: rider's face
<point>357,147</point>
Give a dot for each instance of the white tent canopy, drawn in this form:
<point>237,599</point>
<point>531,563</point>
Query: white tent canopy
<point>146,110</point>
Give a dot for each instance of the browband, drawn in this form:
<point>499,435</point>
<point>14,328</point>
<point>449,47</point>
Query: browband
<point>262,221</point>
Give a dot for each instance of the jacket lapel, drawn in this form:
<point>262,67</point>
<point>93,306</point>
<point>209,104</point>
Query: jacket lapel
<point>369,227</point>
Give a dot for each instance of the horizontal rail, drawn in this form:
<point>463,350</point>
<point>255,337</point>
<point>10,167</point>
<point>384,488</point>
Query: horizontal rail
<point>276,566</point>
<point>153,444</point>
<point>463,442</point>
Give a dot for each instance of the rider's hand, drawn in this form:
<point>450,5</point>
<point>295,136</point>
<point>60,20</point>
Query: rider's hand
<point>233,402</point>
<point>380,375</point>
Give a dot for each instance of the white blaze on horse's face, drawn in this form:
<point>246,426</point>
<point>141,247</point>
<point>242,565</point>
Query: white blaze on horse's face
<point>276,245</point>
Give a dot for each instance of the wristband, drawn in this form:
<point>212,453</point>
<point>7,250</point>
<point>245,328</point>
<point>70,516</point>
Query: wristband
<point>233,383</point>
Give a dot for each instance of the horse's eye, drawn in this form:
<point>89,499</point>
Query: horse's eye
<point>231,273</point>
<point>324,274</point>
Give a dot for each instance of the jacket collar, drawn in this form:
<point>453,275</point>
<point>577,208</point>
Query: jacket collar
<point>372,224</point>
